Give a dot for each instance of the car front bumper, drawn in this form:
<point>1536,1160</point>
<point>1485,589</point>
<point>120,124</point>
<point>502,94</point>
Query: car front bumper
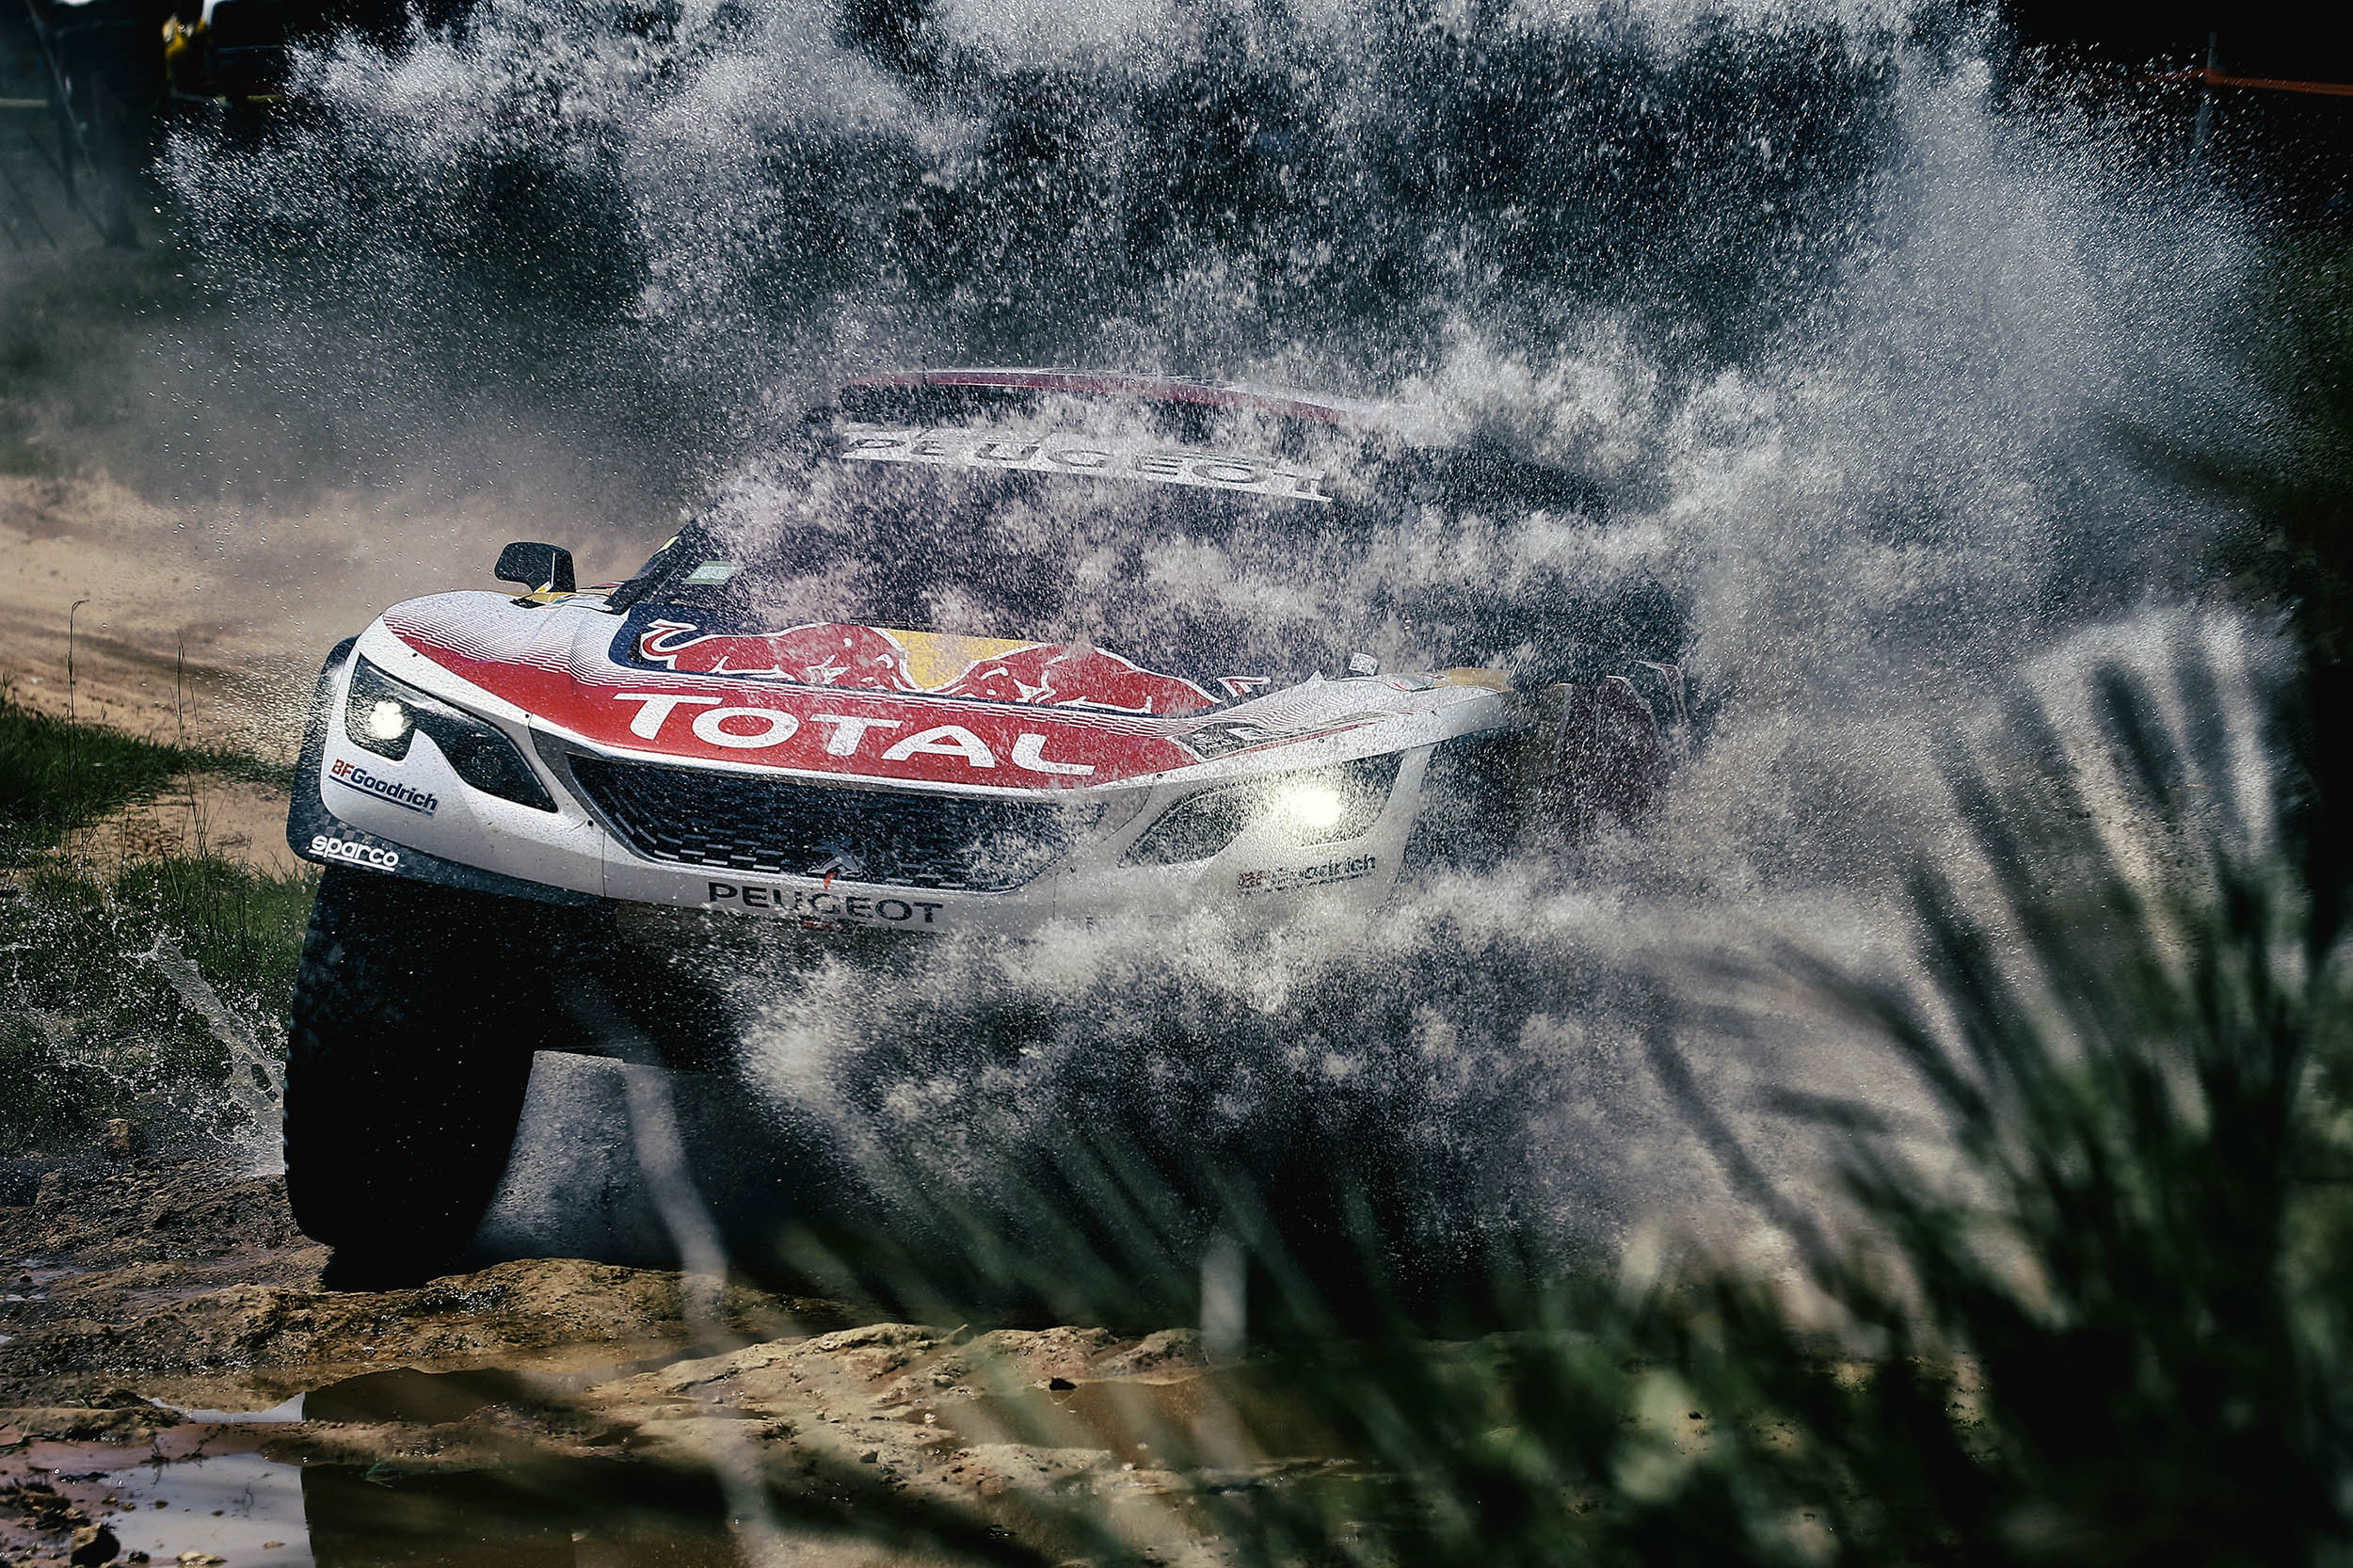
<point>468,839</point>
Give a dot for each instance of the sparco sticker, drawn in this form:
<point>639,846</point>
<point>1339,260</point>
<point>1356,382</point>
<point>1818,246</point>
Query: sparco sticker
<point>354,853</point>
<point>1284,879</point>
<point>1062,454</point>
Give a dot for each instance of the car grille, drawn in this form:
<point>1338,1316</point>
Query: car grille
<point>736,822</point>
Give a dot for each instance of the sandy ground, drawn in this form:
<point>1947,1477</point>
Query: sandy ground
<point>198,813</point>
<point>211,625</point>
<point>171,1368</point>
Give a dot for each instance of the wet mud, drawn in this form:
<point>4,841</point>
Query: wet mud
<point>174,1368</point>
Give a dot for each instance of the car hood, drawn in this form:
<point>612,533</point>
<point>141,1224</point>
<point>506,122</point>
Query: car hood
<point>882,704</point>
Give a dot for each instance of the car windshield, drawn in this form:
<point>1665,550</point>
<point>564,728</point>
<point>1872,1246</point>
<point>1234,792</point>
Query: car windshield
<point>1197,558</point>
<point>1203,563</point>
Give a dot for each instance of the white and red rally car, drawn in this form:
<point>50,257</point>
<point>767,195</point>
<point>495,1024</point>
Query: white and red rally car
<point>996,649</point>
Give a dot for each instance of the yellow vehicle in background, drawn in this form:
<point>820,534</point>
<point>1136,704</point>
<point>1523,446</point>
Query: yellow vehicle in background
<point>234,52</point>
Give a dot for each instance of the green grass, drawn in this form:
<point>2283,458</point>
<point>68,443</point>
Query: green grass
<point>57,775</point>
<point>91,1024</point>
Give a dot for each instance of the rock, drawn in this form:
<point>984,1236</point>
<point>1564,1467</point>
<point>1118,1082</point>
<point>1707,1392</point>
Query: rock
<point>1171,1350</point>
<point>137,1560</point>
<point>93,1546</point>
<point>200,1560</point>
<point>42,1506</point>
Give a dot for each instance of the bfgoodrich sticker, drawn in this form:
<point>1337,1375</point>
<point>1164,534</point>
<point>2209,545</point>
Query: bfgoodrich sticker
<point>352,777</point>
<point>1286,879</point>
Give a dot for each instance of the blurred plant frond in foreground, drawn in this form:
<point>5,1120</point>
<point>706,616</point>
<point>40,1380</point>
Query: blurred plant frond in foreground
<point>2114,1330</point>
<point>2101,1318</point>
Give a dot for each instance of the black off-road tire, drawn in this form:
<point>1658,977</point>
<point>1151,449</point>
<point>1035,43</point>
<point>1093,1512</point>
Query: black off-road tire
<point>416,1012</point>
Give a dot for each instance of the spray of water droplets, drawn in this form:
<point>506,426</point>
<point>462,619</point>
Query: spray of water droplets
<point>1866,366</point>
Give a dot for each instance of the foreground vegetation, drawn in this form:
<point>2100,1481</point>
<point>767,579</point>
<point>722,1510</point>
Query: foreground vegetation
<point>2117,1328</point>
<point>2119,1335</point>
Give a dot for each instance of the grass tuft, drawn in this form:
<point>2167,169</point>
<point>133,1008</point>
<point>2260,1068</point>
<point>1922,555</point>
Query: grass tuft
<point>57,775</point>
<point>92,1025</point>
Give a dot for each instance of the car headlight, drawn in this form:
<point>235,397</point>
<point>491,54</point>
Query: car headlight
<point>1325,806</point>
<point>383,715</point>
<point>1310,808</point>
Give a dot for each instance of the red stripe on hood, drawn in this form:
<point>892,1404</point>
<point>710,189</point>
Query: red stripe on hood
<point>857,733</point>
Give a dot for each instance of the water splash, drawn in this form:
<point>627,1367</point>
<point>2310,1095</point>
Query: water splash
<point>1886,376</point>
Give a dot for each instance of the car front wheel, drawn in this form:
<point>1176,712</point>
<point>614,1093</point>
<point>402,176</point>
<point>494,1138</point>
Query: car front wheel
<point>416,1011</point>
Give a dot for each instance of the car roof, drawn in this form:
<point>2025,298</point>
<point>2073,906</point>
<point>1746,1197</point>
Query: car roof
<point>955,394</point>
<point>1113,384</point>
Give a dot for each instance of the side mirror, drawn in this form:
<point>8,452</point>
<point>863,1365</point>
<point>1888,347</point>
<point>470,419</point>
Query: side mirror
<point>540,567</point>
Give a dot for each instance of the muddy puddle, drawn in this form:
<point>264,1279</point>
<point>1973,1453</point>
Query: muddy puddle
<point>563,1411</point>
<point>512,1465</point>
<point>227,1493</point>
<point>235,1480</point>
<point>590,1515</point>
<point>248,1508</point>
<point>237,1506</point>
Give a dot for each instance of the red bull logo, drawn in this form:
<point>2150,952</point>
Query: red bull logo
<point>1065,677</point>
<point>858,657</point>
<point>863,658</point>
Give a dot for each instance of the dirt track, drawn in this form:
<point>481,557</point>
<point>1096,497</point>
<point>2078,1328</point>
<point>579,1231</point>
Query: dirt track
<point>212,624</point>
<point>541,1394</point>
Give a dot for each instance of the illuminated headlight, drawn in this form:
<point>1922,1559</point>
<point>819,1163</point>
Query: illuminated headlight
<point>1326,806</point>
<point>388,721</point>
<point>383,715</point>
<point>1312,806</point>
